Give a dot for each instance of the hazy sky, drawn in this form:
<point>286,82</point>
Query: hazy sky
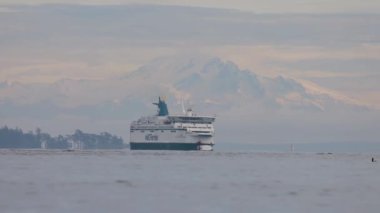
<point>260,6</point>
<point>48,43</point>
<point>53,58</point>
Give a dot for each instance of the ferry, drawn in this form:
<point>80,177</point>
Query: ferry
<point>172,132</point>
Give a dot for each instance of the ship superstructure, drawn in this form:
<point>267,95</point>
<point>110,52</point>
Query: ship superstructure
<point>172,132</point>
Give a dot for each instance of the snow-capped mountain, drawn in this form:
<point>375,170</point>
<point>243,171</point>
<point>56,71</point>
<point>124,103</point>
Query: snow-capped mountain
<point>210,84</point>
<point>222,85</point>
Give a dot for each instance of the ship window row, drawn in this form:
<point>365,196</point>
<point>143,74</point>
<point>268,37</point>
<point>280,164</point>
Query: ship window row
<point>154,130</point>
<point>201,127</point>
<point>193,122</point>
<point>195,127</point>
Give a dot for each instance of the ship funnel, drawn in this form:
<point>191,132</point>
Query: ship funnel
<point>162,107</point>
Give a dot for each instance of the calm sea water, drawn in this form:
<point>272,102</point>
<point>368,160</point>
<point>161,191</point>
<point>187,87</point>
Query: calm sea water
<point>160,181</point>
<point>332,147</point>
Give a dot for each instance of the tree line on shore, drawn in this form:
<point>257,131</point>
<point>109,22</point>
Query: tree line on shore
<point>16,138</point>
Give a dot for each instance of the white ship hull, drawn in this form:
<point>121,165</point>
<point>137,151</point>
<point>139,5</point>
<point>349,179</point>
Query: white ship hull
<point>174,139</point>
<point>164,132</point>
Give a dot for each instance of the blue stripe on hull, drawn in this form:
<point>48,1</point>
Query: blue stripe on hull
<point>164,146</point>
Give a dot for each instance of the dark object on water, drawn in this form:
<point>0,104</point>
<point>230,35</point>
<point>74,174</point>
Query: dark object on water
<point>373,160</point>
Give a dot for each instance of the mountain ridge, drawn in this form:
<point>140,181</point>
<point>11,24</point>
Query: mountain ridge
<point>210,83</point>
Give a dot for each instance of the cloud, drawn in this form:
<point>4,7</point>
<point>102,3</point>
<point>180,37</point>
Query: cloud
<point>260,6</point>
<point>7,10</point>
<point>112,26</point>
<point>331,65</point>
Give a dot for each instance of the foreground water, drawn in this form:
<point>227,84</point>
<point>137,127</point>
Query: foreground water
<point>152,181</point>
